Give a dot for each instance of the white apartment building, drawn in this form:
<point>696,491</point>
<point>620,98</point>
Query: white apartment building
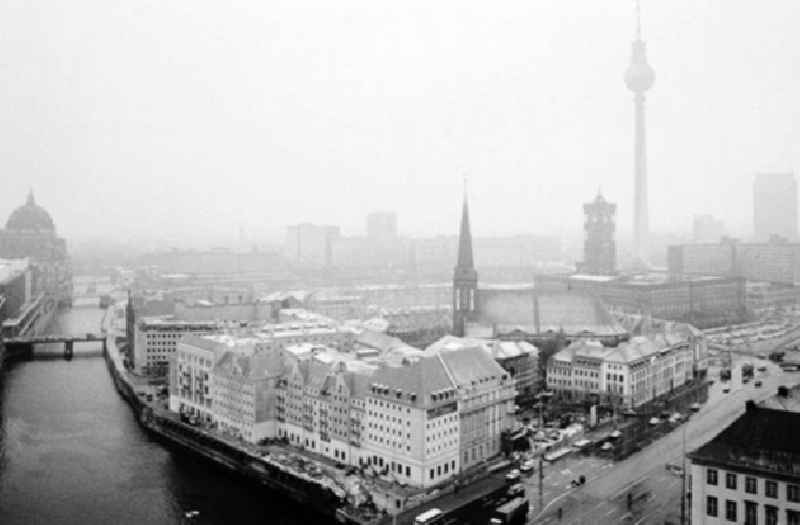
<point>413,418</point>
<point>243,393</point>
<point>749,472</point>
<point>630,374</point>
<point>191,372</point>
<point>485,393</point>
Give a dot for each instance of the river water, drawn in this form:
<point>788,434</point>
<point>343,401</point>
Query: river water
<point>71,452</point>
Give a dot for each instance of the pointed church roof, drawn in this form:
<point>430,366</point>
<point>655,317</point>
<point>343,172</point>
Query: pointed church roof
<point>465,239</point>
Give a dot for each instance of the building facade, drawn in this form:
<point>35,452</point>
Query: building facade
<point>749,472</point>
<point>155,341</point>
<point>702,301</point>
<point>775,261</point>
<point>629,375</point>
<point>421,419</point>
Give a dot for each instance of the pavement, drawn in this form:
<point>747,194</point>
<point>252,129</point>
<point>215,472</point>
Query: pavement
<point>656,491</point>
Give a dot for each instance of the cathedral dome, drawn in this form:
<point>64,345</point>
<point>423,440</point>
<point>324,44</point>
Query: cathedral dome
<point>30,217</point>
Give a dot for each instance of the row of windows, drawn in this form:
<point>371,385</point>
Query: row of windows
<point>771,512</point>
<point>751,485</point>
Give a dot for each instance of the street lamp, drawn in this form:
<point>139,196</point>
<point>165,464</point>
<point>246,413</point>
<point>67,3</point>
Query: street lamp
<point>683,477</point>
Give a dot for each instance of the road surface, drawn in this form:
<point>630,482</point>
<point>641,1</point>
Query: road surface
<point>656,491</point>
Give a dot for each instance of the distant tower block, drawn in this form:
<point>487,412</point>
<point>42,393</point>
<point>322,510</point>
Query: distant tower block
<point>599,248</point>
<point>639,78</point>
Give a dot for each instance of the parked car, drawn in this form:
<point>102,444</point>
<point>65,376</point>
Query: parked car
<point>517,489</point>
<point>757,384</point>
<point>527,466</point>
<point>512,475</point>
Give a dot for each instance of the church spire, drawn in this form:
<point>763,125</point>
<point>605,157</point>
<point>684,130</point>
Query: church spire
<point>465,278</point>
<point>30,199</point>
<point>465,260</point>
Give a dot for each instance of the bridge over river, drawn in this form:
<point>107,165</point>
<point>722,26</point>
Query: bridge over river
<point>24,346</point>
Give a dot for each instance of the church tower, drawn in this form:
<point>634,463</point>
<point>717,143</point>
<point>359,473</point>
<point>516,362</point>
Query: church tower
<point>465,278</point>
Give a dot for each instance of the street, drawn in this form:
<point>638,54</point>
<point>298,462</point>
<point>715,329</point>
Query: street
<point>655,490</point>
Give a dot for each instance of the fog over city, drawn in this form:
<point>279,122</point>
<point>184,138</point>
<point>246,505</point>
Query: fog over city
<point>362,262</point>
<point>190,122</point>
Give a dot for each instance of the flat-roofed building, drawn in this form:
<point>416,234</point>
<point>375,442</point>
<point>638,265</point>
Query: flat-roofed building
<point>703,301</point>
<point>155,341</point>
<point>775,261</point>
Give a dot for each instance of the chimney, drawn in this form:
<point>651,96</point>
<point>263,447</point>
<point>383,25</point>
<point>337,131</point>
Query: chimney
<point>749,405</point>
<point>783,391</point>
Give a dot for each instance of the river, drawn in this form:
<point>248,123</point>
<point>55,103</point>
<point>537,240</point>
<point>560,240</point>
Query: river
<point>71,452</point>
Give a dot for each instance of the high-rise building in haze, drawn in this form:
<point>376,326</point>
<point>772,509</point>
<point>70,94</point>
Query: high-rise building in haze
<point>382,226</point>
<point>310,244</point>
<point>775,206</point>
<point>639,77</point>
<point>706,228</point>
<point>599,249</point>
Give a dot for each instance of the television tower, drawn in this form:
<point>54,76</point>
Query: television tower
<point>639,77</point>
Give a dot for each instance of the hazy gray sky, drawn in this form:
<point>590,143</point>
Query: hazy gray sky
<point>195,117</point>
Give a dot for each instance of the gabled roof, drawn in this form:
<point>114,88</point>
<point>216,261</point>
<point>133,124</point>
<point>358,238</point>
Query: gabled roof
<point>582,349</point>
<point>471,365</point>
<point>422,376</point>
<point>268,363</point>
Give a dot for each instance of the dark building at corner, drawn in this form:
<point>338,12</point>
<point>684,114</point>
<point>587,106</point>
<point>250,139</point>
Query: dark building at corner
<point>750,472</point>
<point>30,233</point>
<point>599,248</point>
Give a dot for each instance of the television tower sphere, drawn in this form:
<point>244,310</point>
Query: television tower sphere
<point>639,76</point>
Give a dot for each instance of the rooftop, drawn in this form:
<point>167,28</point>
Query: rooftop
<point>790,401</point>
<point>10,268</point>
<point>762,439</point>
<point>540,312</point>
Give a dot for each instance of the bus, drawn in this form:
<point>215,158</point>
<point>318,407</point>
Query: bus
<point>429,517</point>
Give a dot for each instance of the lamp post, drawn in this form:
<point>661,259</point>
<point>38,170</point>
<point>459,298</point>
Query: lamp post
<point>683,478</point>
